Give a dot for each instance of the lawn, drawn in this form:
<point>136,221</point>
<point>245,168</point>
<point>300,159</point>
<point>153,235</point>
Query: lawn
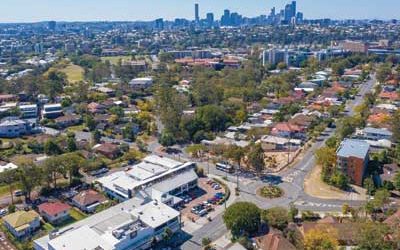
<point>5,190</point>
<point>74,73</point>
<point>76,128</point>
<point>114,59</point>
<point>77,215</point>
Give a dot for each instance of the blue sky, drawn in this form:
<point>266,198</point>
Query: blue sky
<point>86,10</point>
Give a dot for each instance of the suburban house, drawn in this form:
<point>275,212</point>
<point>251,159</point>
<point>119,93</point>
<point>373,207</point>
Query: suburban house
<point>52,111</point>
<point>11,128</point>
<point>274,240</point>
<point>352,159</point>
<point>270,142</point>
<point>375,134</point>
<point>28,111</point>
<point>109,150</point>
<point>128,225</point>
<point>141,83</point>
<point>96,108</point>
<point>287,130</point>
<point>156,177</point>
<point>54,212</point>
<point>88,200</point>
<point>67,121</point>
<point>22,224</point>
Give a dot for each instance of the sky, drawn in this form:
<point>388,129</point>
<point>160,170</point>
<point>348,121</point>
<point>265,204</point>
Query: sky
<point>133,10</point>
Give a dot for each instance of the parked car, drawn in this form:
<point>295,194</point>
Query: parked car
<point>3,212</point>
<point>202,212</point>
<point>99,171</point>
<point>19,193</point>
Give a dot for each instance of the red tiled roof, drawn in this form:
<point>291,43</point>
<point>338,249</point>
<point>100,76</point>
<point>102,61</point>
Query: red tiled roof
<point>389,95</point>
<point>284,126</point>
<point>53,208</point>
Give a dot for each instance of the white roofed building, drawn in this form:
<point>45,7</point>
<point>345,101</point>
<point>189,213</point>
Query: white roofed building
<point>153,171</point>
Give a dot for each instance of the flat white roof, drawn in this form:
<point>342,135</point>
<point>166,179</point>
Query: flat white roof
<point>55,105</point>
<point>155,214</point>
<point>162,161</point>
<point>80,239</point>
<point>119,179</point>
<point>136,177</point>
<point>91,221</point>
<point>28,106</point>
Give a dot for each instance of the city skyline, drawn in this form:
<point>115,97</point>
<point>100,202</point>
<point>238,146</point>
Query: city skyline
<point>125,10</point>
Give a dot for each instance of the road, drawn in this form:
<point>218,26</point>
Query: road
<point>290,180</point>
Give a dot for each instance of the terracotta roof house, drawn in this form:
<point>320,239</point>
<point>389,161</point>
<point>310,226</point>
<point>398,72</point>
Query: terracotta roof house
<point>109,150</point>
<point>22,224</point>
<point>378,119</point>
<point>88,200</point>
<point>54,212</point>
<point>302,120</point>
<point>391,96</point>
<point>274,240</point>
<point>286,130</point>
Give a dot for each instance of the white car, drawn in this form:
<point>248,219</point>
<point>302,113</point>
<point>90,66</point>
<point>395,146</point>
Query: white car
<point>3,212</point>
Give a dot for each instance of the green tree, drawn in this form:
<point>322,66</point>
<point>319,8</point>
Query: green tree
<point>242,218</point>
<point>372,236</point>
<point>90,122</point>
<point>396,181</point>
<point>276,217</point>
<point>29,176</point>
<point>51,147</point>
<point>167,139</point>
<point>213,117</point>
<point>9,177</point>
<point>71,144</point>
<point>369,185</point>
<point>383,72</point>
<point>321,238</point>
<point>325,156</point>
<point>255,157</point>
<point>235,153</point>
<point>96,135</point>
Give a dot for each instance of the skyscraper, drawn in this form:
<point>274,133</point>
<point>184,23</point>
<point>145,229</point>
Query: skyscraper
<point>52,25</point>
<point>226,18</point>
<point>196,13</point>
<point>290,12</point>
<point>210,19</point>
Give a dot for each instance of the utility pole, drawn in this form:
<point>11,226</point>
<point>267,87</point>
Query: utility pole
<point>290,139</point>
<point>208,165</point>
